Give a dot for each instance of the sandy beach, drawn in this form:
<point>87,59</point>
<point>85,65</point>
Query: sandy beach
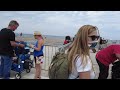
<point>50,41</point>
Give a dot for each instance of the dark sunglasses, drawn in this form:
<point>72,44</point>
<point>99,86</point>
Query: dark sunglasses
<point>94,37</point>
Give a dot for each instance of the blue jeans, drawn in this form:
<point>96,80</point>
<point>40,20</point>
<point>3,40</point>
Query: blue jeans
<point>5,66</point>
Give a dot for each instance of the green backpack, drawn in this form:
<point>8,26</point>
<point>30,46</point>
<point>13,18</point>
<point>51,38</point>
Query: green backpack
<point>59,67</point>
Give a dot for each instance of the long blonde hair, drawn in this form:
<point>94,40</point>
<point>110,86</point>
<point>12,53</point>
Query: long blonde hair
<point>80,45</point>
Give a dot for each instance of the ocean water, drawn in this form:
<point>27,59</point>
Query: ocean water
<point>47,36</point>
<point>48,44</point>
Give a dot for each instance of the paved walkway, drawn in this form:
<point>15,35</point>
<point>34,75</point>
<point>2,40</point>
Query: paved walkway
<point>45,73</point>
<point>30,75</point>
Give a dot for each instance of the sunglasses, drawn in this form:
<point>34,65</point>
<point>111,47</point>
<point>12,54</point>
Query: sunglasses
<point>94,37</point>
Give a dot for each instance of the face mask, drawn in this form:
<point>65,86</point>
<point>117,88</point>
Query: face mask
<point>89,45</point>
<point>92,42</point>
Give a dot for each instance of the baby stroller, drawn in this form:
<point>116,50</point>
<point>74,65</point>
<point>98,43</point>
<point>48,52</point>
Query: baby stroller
<point>22,61</point>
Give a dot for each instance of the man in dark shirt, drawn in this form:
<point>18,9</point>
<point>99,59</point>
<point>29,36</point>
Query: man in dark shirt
<point>7,41</point>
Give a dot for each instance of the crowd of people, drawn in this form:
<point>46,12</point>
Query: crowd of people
<point>86,38</point>
<point>7,44</point>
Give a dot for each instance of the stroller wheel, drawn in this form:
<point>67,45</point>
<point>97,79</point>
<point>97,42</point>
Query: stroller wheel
<point>17,76</point>
<point>27,70</point>
<point>31,65</point>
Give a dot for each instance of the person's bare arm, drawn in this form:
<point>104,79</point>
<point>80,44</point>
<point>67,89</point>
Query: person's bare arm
<point>84,75</point>
<point>40,43</point>
<point>118,56</point>
<point>14,44</point>
<point>18,40</point>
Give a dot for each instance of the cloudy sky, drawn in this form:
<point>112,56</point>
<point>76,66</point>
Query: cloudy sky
<point>61,23</point>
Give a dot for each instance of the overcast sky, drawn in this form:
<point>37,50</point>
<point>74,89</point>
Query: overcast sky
<point>62,23</point>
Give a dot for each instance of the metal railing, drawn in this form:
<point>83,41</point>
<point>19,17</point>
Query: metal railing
<point>49,52</point>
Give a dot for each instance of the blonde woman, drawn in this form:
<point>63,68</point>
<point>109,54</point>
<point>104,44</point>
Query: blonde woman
<point>38,53</point>
<point>80,64</point>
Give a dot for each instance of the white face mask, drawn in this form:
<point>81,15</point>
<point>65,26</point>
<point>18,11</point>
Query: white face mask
<point>95,41</point>
<point>89,45</point>
<point>92,42</point>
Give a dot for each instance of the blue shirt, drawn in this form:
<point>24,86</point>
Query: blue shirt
<point>38,53</point>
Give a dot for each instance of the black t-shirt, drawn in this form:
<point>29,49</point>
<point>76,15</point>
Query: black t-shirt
<point>6,35</point>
